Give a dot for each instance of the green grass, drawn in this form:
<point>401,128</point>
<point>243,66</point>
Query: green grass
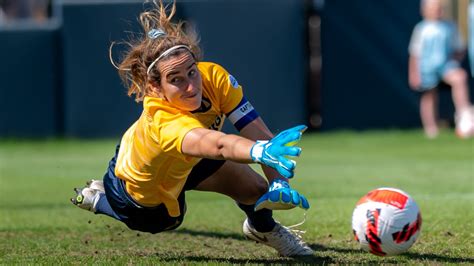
<point>39,225</point>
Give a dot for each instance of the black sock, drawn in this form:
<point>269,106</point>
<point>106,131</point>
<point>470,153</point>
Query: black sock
<point>261,220</point>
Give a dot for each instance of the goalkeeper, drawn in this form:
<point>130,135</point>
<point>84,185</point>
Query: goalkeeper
<point>176,144</point>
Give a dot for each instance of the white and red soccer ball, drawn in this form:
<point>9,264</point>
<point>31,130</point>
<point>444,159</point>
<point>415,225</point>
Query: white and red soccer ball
<point>386,221</point>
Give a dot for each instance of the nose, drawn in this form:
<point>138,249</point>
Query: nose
<point>191,86</point>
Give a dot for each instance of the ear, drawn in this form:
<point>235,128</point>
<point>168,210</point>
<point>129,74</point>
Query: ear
<point>156,89</point>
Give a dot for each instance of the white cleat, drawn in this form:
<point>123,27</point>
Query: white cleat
<point>86,198</point>
<point>280,238</point>
<point>96,184</point>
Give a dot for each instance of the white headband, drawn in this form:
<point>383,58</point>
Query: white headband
<point>165,53</point>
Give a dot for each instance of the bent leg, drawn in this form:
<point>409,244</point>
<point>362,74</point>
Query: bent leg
<point>245,186</point>
<point>464,117</point>
<point>103,207</point>
<point>237,181</point>
<point>457,79</point>
<point>428,112</point>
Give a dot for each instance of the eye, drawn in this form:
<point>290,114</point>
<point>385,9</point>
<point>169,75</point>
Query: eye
<point>192,73</point>
<point>176,80</point>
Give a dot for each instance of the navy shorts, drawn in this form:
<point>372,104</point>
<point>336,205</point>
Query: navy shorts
<point>152,219</point>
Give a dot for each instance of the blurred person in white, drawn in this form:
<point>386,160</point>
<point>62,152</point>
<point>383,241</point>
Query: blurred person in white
<point>436,49</point>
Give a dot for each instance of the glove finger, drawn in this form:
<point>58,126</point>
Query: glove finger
<point>295,197</point>
<point>284,172</point>
<point>300,128</point>
<point>274,196</point>
<point>304,202</point>
<point>285,195</point>
<point>288,139</point>
<point>291,151</point>
<point>286,163</point>
<point>283,133</point>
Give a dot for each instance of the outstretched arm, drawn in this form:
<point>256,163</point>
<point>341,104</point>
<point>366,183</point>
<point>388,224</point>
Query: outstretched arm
<point>213,144</point>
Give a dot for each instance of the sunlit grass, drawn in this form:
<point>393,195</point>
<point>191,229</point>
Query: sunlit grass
<point>39,225</point>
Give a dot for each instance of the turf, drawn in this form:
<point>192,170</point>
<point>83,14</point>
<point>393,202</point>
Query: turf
<point>39,225</point>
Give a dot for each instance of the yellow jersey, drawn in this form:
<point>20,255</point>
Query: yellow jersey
<point>150,160</point>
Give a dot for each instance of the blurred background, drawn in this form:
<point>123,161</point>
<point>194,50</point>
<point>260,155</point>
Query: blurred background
<point>333,64</point>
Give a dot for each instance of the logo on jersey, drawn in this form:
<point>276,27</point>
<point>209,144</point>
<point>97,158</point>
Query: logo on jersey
<point>217,122</point>
<point>233,81</point>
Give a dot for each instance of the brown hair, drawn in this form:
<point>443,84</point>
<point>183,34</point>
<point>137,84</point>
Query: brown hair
<point>144,49</point>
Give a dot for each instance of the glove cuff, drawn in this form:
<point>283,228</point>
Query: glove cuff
<point>278,184</point>
<point>257,150</point>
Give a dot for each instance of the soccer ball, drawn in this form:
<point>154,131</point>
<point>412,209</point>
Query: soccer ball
<point>386,221</point>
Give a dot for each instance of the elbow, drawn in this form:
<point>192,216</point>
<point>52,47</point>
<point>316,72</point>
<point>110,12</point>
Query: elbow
<point>221,151</point>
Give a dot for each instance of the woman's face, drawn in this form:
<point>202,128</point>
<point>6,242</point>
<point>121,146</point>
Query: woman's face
<point>432,9</point>
<point>181,83</point>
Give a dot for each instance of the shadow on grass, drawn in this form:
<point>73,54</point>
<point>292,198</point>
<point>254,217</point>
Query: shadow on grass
<point>426,257</point>
<point>318,247</point>
<point>315,259</point>
<point>208,234</point>
<point>437,258</point>
<point>283,261</point>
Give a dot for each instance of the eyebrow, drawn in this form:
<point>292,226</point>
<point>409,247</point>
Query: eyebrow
<point>176,72</point>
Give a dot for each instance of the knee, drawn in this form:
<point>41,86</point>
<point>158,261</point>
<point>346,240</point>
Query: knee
<point>459,77</point>
<point>261,187</point>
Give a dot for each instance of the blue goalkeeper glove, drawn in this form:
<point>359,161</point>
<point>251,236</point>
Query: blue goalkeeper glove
<point>281,196</point>
<point>272,152</point>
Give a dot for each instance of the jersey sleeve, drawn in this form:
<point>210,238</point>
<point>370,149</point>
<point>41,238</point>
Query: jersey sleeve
<point>228,90</point>
<point>233,103</point>
<point>171,130</point>
<point>414,47</point>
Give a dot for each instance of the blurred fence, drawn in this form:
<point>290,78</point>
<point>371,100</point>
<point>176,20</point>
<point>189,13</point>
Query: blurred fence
<point>365,53</point>
<point>57,80</point>
<point>30,81</point>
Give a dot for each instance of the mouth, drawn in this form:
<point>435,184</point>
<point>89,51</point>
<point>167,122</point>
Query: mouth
<point>187,97</point>
<point>190,96</point>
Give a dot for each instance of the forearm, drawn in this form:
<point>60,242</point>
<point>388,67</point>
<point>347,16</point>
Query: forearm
<point>212,144</point>
<point>257,130</point>
<point>413,75</point>
<point>412,66</point>
<point>233,147</point>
